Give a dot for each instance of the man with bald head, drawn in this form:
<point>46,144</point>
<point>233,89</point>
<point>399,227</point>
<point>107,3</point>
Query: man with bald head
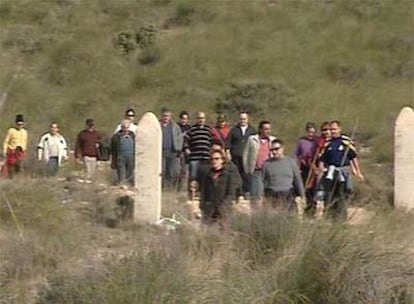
<point>197,143</point>
<point>236,142</point>
<point>123,153</point>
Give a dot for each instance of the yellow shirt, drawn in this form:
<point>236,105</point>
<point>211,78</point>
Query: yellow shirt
<point>14,138</point>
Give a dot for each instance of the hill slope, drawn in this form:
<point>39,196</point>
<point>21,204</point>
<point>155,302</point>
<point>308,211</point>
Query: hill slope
<point>290,61</point>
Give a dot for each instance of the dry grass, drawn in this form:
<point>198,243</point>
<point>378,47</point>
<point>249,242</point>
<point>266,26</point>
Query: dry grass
<point>68,255</point>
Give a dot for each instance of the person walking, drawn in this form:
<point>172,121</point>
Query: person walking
<point>123,154</point>
<point>338,160</point>
<point>172,145</point>
<point>217,190</point>
<point>129,115</point>
<point>221,130</point>
<point>52,149</point>
<point>197,143</point>
<point>315,177</point>
<point>14,148</point>
<point>183,123</point>
<point>235,145</point>
<point>281,178</point>
<point>305,156</point>
<point>256,152</point>
<point>87,143</point>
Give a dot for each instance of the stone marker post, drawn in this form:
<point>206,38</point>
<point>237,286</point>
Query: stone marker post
<point>147,202</point>
<point>404,160</point>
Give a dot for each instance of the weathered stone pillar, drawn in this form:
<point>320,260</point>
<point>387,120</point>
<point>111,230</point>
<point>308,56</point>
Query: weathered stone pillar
<point>404,160</point>
<point>148,145</point>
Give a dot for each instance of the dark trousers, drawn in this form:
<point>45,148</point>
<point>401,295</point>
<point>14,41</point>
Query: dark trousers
<point>335,199</point>
<point>238,162</point>
<point>169,168</point>
<point>215,214</point>
<point>310,192</point>
<point>125,168</point>
<point>280,200</point>
<point>183,172</point>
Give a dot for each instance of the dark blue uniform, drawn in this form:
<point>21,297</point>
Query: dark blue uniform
<point>336,156</point>
<point>335,149</point>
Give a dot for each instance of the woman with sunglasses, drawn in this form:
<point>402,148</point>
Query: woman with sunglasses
<point>217,190</point>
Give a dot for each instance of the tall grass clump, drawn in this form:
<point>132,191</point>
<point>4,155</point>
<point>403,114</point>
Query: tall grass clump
<point>38,235</point>
<point>268,258</point>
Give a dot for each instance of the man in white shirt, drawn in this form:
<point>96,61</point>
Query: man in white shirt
<point>130,115</point>
<point>52,149</point>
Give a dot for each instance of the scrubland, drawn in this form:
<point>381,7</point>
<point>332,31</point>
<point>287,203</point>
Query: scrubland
<point>287,61</point>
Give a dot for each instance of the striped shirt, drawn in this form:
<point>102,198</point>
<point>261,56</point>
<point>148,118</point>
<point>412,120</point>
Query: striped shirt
<point>198,140</point>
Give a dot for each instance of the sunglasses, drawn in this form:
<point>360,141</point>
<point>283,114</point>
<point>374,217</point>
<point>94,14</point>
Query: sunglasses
<point>324,130</point>
<point>201,118</point>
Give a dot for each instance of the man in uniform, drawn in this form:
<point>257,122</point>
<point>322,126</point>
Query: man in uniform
<point>337,161</point>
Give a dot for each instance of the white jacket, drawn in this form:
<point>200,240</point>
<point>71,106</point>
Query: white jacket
<point>43,147</point>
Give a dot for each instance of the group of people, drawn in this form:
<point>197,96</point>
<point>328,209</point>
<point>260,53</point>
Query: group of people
<point>223,162</point>
<point>253,164</point>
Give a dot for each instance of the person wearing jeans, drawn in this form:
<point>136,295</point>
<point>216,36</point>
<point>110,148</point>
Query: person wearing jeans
<point>255,153</point>
<point>197,143</point>
<point>172,145</point>
<point>52,149</point>
<point>123,154</point>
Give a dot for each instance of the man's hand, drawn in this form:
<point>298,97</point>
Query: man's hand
<point>359,176</point>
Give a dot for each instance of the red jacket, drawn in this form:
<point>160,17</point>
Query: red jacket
<point>221,134</point>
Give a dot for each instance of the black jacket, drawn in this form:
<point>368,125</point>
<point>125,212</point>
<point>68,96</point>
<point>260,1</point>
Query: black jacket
<point>216,195</point>
<point>236,141</point>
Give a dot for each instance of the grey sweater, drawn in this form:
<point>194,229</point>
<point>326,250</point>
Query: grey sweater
<point>282,175</point>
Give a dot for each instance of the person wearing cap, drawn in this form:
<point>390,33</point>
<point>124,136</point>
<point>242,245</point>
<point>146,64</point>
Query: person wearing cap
<point>87,144</point>
<point>52,149</point>
<point>172,145</point>
<point>14,147</point>
<point>281,178</point>
<point>130,115</point>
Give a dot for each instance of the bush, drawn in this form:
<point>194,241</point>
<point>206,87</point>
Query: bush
<point>257,97</point>
<point>345,73</point>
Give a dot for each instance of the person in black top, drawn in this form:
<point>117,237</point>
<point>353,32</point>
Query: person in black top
<point>184,124</point>
<point>236,142</point>
<point>217,189</point>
